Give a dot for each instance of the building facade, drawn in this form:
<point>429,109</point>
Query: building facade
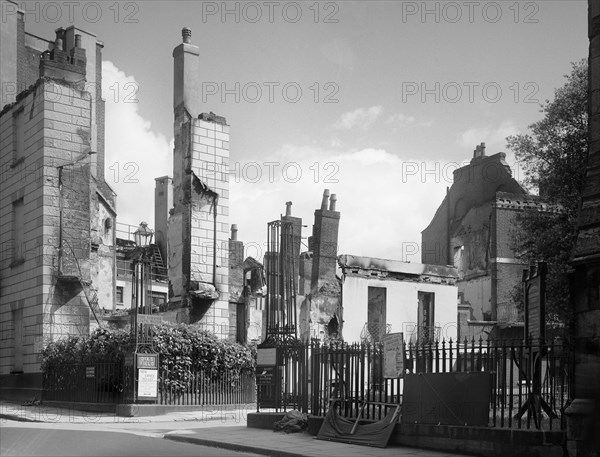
<point>472,231</point>
<point>58,214</point>
<point>382,296</point>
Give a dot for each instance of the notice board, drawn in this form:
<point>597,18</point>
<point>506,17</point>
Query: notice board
<point>393,355</point>
<point>447,398</point>
<point>147,383</point>
<point>534,285</point>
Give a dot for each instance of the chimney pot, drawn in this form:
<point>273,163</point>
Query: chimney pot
<point>325,198</point>
<point>77,40</point>
<point>332,201</point>
<point>234,231</point>
<point>288,208</point>
<point>186,33</point>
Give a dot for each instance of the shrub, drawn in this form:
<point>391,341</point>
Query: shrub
<point>182,349</point>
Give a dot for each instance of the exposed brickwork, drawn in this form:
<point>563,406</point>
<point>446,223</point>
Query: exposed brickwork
<point>200,203</point>
<point>473,185</point>
<point>236,271</point>
<point>473,229</point>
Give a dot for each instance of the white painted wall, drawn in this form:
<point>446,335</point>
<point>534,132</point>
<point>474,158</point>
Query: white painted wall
<point>401,305</point>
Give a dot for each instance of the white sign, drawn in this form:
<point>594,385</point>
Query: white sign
<point>393,355</point>
<point>147,383</point>
<point>149,319</point>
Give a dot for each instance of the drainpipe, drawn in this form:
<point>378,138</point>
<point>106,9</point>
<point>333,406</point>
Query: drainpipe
<point>60,220</point>
<point>449,259</point>
<point>215,204</point>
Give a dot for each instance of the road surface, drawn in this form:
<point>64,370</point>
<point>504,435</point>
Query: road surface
<point>23,439</point>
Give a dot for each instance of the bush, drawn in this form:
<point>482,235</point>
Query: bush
<point>182,349</point>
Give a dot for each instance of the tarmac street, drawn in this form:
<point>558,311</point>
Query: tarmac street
<point>43,430</point>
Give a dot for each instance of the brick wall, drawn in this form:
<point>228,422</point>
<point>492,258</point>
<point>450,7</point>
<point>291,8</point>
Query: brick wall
<point>325,238</point>
<point>201,183</point>
<point>236,271</point>
<point>474,184</point>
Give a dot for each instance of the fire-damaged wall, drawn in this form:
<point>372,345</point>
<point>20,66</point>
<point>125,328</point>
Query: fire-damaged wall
<point>320,308</point>
<point>473,231</point>
<point>57,234</point>
<point>198,227</point>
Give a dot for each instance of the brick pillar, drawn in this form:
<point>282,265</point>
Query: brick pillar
<point>324,242</point>
<point>198,228</point>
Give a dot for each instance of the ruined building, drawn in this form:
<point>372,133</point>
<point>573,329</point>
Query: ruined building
<point>387,296</point>
<point>197,225</point>
<point>317,289</point>
<point>472,231</point>
<point>57,212</point>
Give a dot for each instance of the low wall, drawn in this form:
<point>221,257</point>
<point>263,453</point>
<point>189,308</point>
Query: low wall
<point>216,411</point>
<point>21,387</point>
<point>480,441</point>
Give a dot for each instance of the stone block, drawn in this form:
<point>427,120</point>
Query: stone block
<point>68,109</point>
<point>207,141</point>
<point>222,136</point>
<point>50,133</point>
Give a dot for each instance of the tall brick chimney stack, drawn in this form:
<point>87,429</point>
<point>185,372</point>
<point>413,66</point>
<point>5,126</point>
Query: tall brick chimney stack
<point>324,242</point>
<point>65,65</point>
<point>186,85</point>
<point>479,151</point>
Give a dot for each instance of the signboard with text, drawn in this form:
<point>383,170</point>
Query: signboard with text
<point>393,355</point>
<point>149,319</point>
<point>265,376</point>
<point>147,384</point>
<point>147,376</point>
<point>147,361</point>
<point>534,287</point>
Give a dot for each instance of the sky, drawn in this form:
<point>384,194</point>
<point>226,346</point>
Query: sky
<point>377,101</point>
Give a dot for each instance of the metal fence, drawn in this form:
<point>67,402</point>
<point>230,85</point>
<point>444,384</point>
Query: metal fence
<point>105,383</point>
<point>200,387</point>
<point>530,385</point>
<point>85,383</point>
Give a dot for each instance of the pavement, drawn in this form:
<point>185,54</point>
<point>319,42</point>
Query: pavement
<point>225,429</point>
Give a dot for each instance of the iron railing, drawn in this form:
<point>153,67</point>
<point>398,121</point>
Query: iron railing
<point>354,373</point>
<point>203,387</point>
<point>85,383</point>
<point>105,383</point>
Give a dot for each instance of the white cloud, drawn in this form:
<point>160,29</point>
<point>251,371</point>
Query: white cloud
<point>494,137</point>
<point>360,117</point>
<point>384,201</point>
<point>397,120</point>
<point>135,155</point>
<point>400,119</point>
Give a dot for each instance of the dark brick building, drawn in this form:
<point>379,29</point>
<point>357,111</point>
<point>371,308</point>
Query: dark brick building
<point>472,230</point>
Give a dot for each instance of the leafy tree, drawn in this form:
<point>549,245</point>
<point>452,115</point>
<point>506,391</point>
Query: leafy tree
<point>553,157</point>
